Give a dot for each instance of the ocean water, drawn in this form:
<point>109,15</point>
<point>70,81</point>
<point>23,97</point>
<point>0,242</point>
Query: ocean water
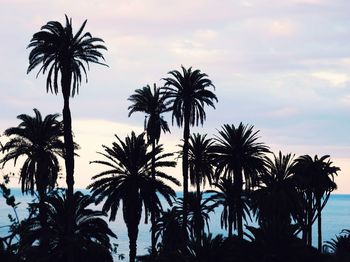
<point>335,217</point>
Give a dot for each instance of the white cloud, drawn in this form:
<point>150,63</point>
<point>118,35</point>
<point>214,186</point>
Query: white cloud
<point>334,79</point>
<point>282,28</point>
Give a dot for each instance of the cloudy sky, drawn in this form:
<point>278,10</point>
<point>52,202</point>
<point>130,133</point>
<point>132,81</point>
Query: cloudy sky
<point>282,66</point>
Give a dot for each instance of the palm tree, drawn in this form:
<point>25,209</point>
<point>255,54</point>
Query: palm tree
<point>201,165</point>
<point>39,141</point>
<point>153,105</point>
<point>198,214</point>
<point>188,94</point>
<point>209,249</point>
<point>240,156</point>
<point>276,201</point>
<point>315,178</point>
<point>167,228</point>
<point>226,196</point>
<point>200,160</point>
<point>339,246</point>
<point>64,56</point>
<point>128,180</point>
<point>87,240</point>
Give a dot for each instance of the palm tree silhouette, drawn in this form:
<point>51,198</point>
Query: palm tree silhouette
<point>339,247</point>
<point>65,57</point>
<point>39,141</point>
<point>200,154</point>
<point>201,167</point>
<point>87,240</point>
<point>240,156</point>
<point>200,159</point>
<point>153,105</point>
<point>167,228</point>
<point>188,94</point>
<point>128,180</point>
<point>226,196</point>
<point>198,214</point>
<point>315,179</point>
<point>277,201</point>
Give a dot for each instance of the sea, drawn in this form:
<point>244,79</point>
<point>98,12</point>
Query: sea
<point>335,218</point>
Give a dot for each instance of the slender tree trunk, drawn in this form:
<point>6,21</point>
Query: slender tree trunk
<point>200,225</point>
<point>132,233</point>
<point>185,169</point>
<point>68,137</point>
<point>309,219</point>
<point>238,185</point>
<point>319,224</point>
<point>230,221</point>
<point>68,144</point>
<point>132,209</point>
<point>44,241</point>
<point>153,211</point>
<point>303,219</point>
<point>304,228</point>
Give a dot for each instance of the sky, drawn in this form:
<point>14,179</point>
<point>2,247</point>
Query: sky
<point>281,66</point>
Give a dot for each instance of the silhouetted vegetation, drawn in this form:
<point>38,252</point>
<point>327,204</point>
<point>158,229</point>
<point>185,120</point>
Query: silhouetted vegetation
<point>233,171</point>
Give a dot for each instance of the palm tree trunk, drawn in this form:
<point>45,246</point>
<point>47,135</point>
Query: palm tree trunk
<point>68,143</point>
<point>185,169</point>
<point>304,228</point>
<point>132,233</point>
<point>68,137</point>
<point>309,219</point>
<point>200,225</point>
<point>230,221</point>
<point>153,211</point>
<point>319,224</point>
<point>132,209</point>
<point>238,185</point>
<point>44,241</point>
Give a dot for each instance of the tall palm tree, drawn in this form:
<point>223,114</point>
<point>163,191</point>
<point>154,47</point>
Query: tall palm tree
<point>200,156</point>
<point>315,179</point>
<point>153,105</point>
<point>65,57</point>
<point>240,156</point>
<point>277,201</point>
<point>87,240</point>
<point>39,141</point>
<point>128,180</point>
<point>188,93</point>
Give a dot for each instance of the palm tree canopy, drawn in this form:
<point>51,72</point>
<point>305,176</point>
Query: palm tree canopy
<point>277,198</point>
<point>153,105</point>
<point>80,234</point>
<point>226,196</point>
<point>39,141</point>
<point>129,176</point>
<point>315,174</point>
<point>198,216</point>
<point>200,158</point>
<point>59,50</point>
<point>237,149</point>
<point>167,227</point>
<point>188,91</point>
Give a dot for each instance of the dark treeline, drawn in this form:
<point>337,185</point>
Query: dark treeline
<point>233,170</point>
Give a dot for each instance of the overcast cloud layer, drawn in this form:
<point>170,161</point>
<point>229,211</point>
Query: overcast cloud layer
<point>282,66</point>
